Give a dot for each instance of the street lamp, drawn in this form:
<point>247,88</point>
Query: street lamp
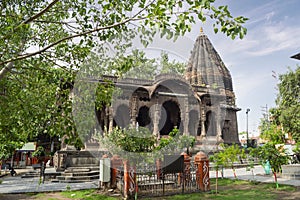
<point>247,111</point>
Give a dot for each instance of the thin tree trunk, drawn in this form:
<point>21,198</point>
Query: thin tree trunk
<point>217,181</point>
<point>275,177</point>
<point>233,169</point>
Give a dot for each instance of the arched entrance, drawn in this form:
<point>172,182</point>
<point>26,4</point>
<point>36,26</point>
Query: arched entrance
<point>170,116</point>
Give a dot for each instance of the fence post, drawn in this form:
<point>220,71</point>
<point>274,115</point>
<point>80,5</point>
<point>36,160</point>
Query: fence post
<point>129,180</point>
<point>158,165</point>
<point>116,162</point>
<point>202,171</point>
<point>183,177</point>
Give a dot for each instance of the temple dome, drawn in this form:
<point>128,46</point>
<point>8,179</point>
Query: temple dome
<point>205,66</point>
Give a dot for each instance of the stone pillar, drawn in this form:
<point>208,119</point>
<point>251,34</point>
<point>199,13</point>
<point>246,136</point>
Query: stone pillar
<point>202,171</point>
<point>186,176</point>
<point>186,117</point>
<point>202,122</point>
<point>156,119</point>
<point>133,111</point>
<point>116,162</point>
<point>218,124</point>
<point>106,119</point>
<point>129,180</point>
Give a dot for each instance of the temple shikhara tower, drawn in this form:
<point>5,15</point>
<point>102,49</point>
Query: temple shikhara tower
<point>200,103</point>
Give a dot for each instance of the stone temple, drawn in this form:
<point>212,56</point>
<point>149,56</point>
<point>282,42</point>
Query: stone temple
<point>199,103</point>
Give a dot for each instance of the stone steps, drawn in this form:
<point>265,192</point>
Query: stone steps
<point>83,168</point>
<point>77,178</point>
<point>36,173</point>
<point>78,175</point>
<point>90,173</point>
<point>31,174</point>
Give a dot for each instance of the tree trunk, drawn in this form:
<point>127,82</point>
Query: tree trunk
<point>275,178</point>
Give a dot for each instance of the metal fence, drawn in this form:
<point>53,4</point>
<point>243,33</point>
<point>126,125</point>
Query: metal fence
<point>151,180</point>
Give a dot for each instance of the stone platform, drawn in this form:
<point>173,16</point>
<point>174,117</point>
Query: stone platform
<point>291,171</point>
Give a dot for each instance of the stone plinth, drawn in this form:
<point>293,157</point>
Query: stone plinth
<point>291,171</point>
<point>69,158</point>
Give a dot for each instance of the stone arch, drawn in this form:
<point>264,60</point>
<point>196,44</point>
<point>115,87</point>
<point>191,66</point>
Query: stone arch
<point>141,93</point>
<point>170,115</point>
<point>122,116</point>
<point>171,86</point>
<point>210,124</point>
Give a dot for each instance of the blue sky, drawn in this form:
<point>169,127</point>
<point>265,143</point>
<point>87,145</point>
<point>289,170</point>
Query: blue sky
<point>273,36</point>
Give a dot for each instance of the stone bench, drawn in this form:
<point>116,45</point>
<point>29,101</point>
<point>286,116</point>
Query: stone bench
<point>291,171</point>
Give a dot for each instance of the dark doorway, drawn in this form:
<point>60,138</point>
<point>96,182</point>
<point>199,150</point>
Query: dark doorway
<point>122,117</point>
<point>194,128</point>
<point>210,124</point>
<point>143,117</point>
<point>170,117</point>
<point>225,130</point>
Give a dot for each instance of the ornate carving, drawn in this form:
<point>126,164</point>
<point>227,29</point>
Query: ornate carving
<point>131,180</point>
<point>206,180</point>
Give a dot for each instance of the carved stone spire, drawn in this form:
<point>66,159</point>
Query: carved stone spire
<point>205,66</point>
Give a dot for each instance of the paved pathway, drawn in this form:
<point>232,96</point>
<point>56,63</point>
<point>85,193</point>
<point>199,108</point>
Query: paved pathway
<point>17,184</point>
<point>258,175</point>
<point>23,185</point>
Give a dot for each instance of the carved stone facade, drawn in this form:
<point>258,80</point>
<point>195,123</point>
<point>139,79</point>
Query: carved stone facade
<point>200,103</point>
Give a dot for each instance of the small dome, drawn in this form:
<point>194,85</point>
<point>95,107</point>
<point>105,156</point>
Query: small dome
<point>205,66</point>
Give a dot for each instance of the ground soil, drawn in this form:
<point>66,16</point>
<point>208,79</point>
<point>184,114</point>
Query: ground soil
<point>281,195</point>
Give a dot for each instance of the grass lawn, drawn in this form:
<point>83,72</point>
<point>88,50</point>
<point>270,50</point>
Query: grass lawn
<point>227,190</point>
<point>235,189</point>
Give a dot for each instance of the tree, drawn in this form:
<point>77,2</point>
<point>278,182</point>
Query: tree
<point>285,117</point>
<point>139,144</point>
<point>142,67</point>
<point>288,103</point>
<point>173,66</point>
<point>145,68</point>
<point>35,104</point>
<point>232,154</point>
<point>175,143</point>
<point>66,30</point>
<point>218,160</point>
<point>227,156</point>
<point>273,134</point>
<point>43,43</point>
<point>275,156</point>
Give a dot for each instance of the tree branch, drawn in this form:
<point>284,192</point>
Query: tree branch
<point>10,63</point>
<point>6,69</point>
<point>41,12</point>
<point>68,38</point>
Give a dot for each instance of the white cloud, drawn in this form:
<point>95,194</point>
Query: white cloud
<point>269,15</point>
<point>262,41</point>
<point>274,38</point>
